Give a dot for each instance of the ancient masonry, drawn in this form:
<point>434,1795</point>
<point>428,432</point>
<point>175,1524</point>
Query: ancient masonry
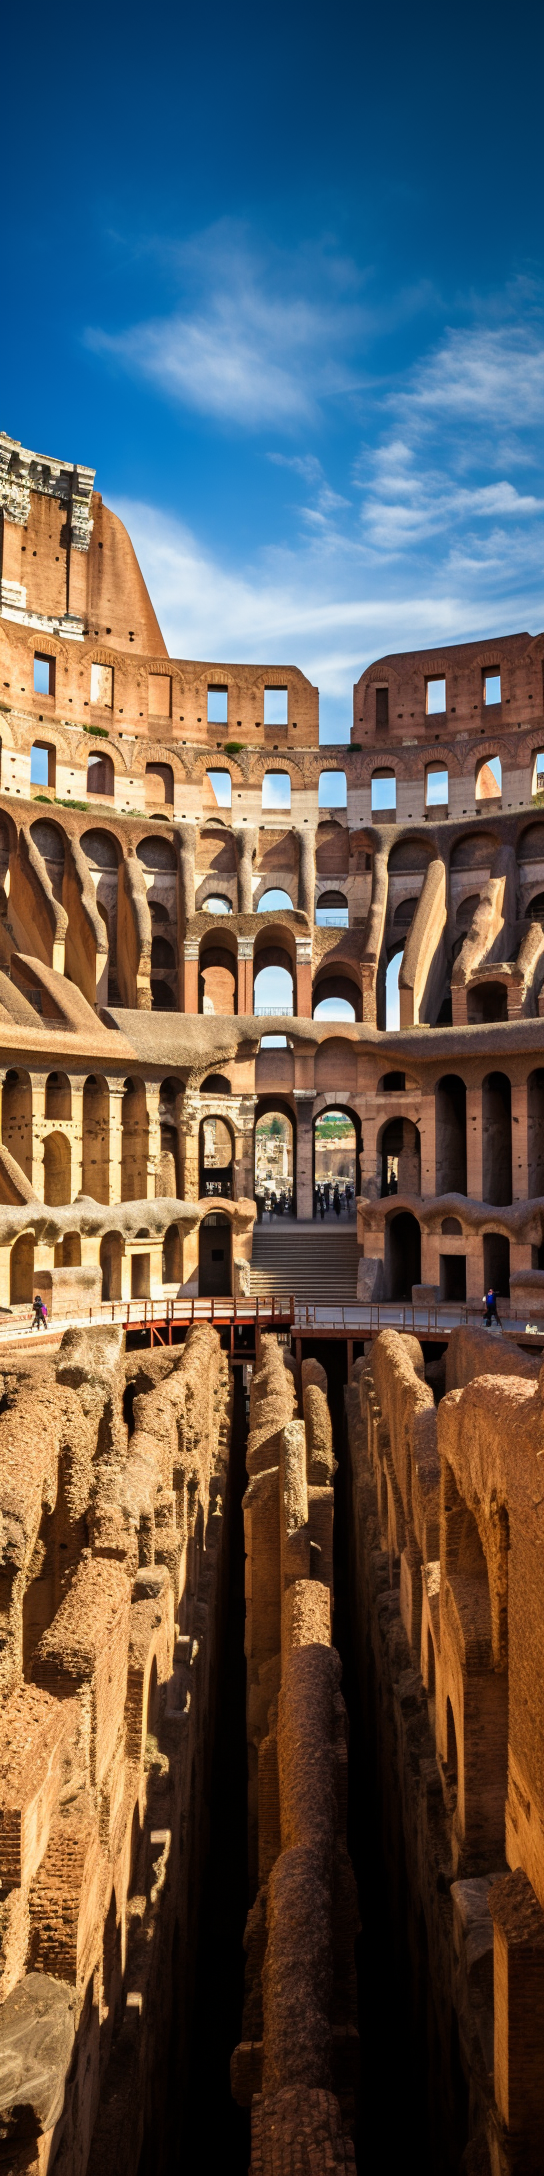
<point>149,876</point>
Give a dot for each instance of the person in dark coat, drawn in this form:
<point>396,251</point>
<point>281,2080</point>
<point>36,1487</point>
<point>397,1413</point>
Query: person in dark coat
<point>336,1202</point>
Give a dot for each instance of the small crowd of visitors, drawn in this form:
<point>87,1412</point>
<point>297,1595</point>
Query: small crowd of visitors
<point>329,1199</point>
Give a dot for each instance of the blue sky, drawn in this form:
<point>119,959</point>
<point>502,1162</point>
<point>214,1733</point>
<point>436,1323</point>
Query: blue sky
<point>278,275</point>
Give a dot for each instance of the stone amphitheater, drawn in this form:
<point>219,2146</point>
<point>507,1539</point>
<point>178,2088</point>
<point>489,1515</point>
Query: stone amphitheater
<point>271,1562</point>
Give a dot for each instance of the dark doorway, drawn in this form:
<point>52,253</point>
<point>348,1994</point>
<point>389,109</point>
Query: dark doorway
<point>453,1276</point>
<point>497,1263</point>
<point>404,1255</point>
<point>497,1138</point>
<point>214,1257</point>
<point>451,1135</point>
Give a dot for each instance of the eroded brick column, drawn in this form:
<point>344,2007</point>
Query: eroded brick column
<point>474,1144</point>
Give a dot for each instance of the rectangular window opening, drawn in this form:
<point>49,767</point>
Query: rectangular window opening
<point>436,697</point>
<point>44,674</point>
<point>218,704</point>
<point>275,706</point>
<point>492,688</point>
<point>159,694</point>
<point>382,709</point>
<point>102,685</point>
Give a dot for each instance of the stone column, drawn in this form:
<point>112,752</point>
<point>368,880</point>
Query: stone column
<point>189,1128</point>
<point>304,1108</point>
<point>520,1163</point>
<point>303,991</point>
<point>245,843</point>
<point>190,975</point>
<point>116,1092</point>
<point>245,975</point>
<point>474,1144</point>
<point>244,1178</point>
<point>306,872</point>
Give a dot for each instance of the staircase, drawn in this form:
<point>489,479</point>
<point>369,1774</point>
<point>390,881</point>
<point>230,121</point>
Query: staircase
<point>312,1262</point>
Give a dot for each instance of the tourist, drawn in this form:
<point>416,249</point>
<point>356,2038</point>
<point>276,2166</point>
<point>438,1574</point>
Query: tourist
<point>40,1312</point>
<point>490,1304</point>
<point>336,1202</point>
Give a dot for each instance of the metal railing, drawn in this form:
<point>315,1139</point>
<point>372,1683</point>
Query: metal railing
<point>273,1012</point>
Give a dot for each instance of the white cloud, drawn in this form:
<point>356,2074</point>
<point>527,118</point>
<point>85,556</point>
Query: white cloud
<point>479,374</point>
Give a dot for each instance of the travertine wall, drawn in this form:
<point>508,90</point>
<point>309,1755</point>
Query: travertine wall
<point>113,1478</point>
<point>297,2061</point>
<point>448,1587</point>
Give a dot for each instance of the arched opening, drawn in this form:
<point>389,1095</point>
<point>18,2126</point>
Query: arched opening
<point>216,903</point>
<point>436,788</point>
<point>162,996</point>
<point>217,979</point>
<point>535,1131</point>
<point>215,1084</point>
<point>215,1158</point>
<point>43,764</point>
<point>17,1118</point>
<point>404,915</point>
<point>451,1135</point>
<point>276,791</point>
<point>111,1253</point>
<point>489,779</point>
<point>333,791</point>
<point>171,1256</point>
<point>58,1096</point>
<point>48,839</point>
<point>214,1257</point>
<point>273,988</point>
<point>68,1252</point>
<point>391,1084</point>
<point>274,1163</point>
<point>535,908</point>
<point>403,1237</point>
<point>336,1165</point>
<point>497,1138</point>
<point>336,997</point>
<point>275,898</point>
<point>453,1278</point>
<point>332,911</point>
<point>159,778</point>
<point>57,1164</point>
<point>401,1157</point>
<point>21,1270</point>
<point>497,1263</point>
<point>135,1142</point>
<point>140,1276</point>
<point>392,998</point>
<point>162,954</point>
<point>383,794</point>
<point>486,1001</point>
<point>101,775</point>
<point>221,787</point>
<point>157,855</point>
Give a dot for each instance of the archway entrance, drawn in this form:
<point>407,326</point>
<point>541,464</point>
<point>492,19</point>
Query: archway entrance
<point>215,1158</point>
<point>404,1249</point>
<point>57,1170</point>
<point>214,1257</point>
<point>112,1248</point>
<point>274,1164</point>
<point>335,1165</point>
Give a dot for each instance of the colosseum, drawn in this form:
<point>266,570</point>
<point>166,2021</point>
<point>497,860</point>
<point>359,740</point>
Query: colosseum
<point>272,1561</point>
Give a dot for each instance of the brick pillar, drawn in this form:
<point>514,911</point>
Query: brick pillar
<point>520,1163</point>
<point>518,1953</point>
<point>304,1114</point>
<point>190,975</point>
<point>116,1139</point>
<point>38,1127</point>
<point>189,1130</point>
<point>76,1135</point>
<point>474,1144</point>
<point>245,842</point>
<point>245,975</point>
<point>152,1093</point>
<point>306,873</point>
<point>427,1128</point>
<point>244,1175</point>
<point>303,991</point>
